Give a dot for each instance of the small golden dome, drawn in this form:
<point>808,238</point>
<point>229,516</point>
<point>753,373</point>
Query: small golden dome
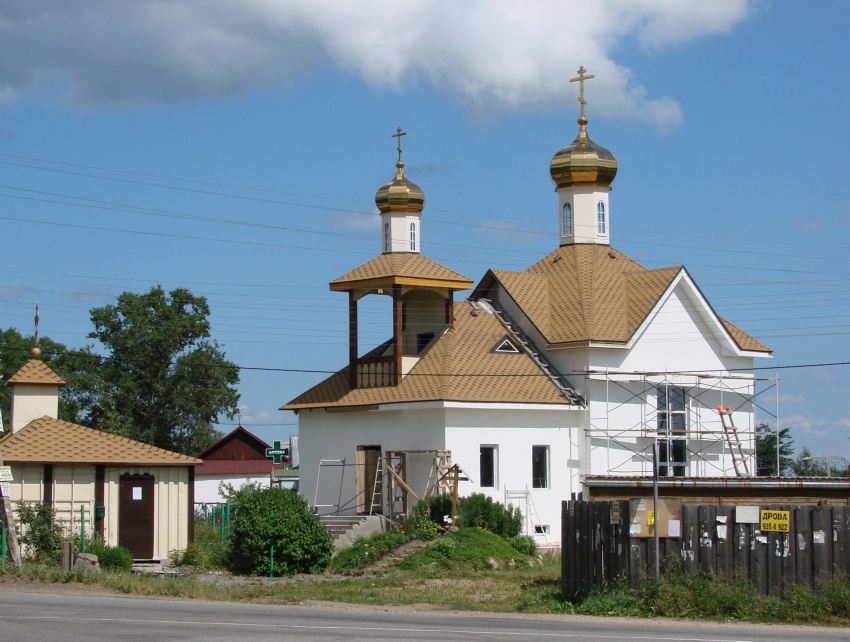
<point>400,195</point>
<point>583,162</point>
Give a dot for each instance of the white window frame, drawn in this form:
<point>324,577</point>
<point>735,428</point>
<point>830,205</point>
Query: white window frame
<point>601,222</point>
<point>494,453</point>
<point>386,237</point>
<point>413,237</point>
<point>567,222</point>
<point>538,482</point>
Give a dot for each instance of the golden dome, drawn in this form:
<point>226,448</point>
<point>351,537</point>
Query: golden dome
<point>583,162</point>
<point>400,195</point>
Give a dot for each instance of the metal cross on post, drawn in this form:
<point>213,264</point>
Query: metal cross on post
<point>398,135</point>
<point>582,76</point>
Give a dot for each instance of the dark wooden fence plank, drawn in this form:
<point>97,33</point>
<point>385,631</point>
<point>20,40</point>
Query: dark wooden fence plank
<point>840,540</point>
<point>705,558</point>
<point>774,560</point>
<point>623,538</point>
<point>724,540</point>
<point>789,566</point>
<point>741,550</point>
<point>761,559</point>
<point>822,543</point>
<point>804,547</point>
<point>690,538</point>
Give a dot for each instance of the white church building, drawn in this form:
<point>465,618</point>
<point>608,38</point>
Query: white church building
<point>572,369</point>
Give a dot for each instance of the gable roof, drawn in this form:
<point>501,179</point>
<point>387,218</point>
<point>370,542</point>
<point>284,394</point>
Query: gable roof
<point>592,293</point>
<point>237,444</point>
<point>38,372</point>
<point>401,268</point>
<point>52,441</point>
<point>459,366</point>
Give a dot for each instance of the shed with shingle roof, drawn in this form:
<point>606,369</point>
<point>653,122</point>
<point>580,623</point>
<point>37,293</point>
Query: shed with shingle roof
<point>130,493</point>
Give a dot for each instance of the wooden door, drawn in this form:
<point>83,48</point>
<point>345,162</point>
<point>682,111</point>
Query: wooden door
<point>136,515</point>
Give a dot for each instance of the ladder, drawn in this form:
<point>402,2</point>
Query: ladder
<point>566,390</point>
<point>377,500</point>
<point>529,511</point>
<point>739,459</point>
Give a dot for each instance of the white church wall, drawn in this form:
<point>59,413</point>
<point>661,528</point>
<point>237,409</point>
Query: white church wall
<point>33,401</point>
<point>514,430</point>
<point>337,435</point>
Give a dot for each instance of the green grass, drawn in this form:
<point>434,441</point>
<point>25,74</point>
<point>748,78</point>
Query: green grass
<point>456,572</point>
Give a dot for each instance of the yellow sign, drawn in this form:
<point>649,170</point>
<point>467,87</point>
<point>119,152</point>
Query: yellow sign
<point>776,521</point>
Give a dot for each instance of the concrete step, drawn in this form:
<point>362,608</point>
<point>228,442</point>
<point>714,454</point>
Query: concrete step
<point>346,528</point>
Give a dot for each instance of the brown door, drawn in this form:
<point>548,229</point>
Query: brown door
<point>369,489</point>
<point>135,515</point>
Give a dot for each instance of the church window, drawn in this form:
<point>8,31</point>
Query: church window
<point>540,466</point>
<point>568,220</point>
<point>505,346</point>
<point>601,225</point>
<point>386,237</point>
<point>489,466</point>
<point>413,237</point>
<point>672,429</point>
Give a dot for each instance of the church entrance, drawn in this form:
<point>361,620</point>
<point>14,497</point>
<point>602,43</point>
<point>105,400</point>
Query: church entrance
<point>369,483</point>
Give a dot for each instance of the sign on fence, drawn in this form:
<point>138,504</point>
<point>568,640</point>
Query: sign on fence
<point>775,521</point>
<point>5,473</point>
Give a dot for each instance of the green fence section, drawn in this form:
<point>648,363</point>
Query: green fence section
<point>218,516</point>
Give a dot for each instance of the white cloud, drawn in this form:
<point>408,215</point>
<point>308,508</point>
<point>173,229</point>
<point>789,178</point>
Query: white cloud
<point>493,55</point>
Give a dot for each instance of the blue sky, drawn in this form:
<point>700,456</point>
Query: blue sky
<point>236,150</point>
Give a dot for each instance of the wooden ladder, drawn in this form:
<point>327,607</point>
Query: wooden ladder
<point>733,440</point>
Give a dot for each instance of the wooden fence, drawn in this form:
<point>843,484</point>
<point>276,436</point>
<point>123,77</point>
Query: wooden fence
<point>597,547</point>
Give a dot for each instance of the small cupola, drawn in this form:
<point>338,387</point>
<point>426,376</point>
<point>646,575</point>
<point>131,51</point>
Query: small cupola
<point>400,203</point>
<point>583,172</point>
<point>35,391</point>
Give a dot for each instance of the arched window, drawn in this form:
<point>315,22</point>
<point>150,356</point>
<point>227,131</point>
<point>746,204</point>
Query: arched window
<point>600,218</point>
<point>413,237</point>
<point>386,237</point>
<point>568,220</point>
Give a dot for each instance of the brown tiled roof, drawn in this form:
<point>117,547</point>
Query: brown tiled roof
<point>744,341</point>
<point>584,293</point>
<point>402,268</point>
<point>460,366</point>
<point>49,440</point>
<point>36,371</point>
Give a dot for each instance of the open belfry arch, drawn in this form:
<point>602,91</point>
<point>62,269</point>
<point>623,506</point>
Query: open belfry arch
<point>543,380</point>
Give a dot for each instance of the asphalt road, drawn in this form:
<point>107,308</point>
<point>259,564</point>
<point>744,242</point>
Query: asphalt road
<point>27,616</point>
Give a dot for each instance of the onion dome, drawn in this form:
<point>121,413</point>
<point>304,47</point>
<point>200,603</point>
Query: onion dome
<point>400,195</point>
<point>583,162</point>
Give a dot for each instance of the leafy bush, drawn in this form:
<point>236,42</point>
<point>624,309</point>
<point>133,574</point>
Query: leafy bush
<point>207,552</point>
<point>421,524</point>
<point>439,508</point>
<point>266,517</point>
<point>111,558</point>
<point>364,551</point>
<point>39,534</point>
<point>481,511</point>
<point>525,544</point>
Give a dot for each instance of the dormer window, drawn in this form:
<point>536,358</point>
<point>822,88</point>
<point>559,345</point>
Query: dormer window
<point>601,227</point>
<point>413,237</point>
<point>568,220</point>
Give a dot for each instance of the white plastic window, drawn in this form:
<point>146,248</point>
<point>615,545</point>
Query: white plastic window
<point>601,225</point>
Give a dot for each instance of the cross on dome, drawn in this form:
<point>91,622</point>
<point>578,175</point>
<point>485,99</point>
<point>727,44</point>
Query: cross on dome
<point>398,135</point>
<point>580,79</point>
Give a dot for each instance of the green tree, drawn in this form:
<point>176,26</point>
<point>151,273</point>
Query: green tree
<point>165,381</point>
<point>805,466</point>
<point>766,451</point>
<point>79,368</point>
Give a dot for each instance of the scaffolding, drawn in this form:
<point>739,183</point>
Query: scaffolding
<point>640,408</point>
